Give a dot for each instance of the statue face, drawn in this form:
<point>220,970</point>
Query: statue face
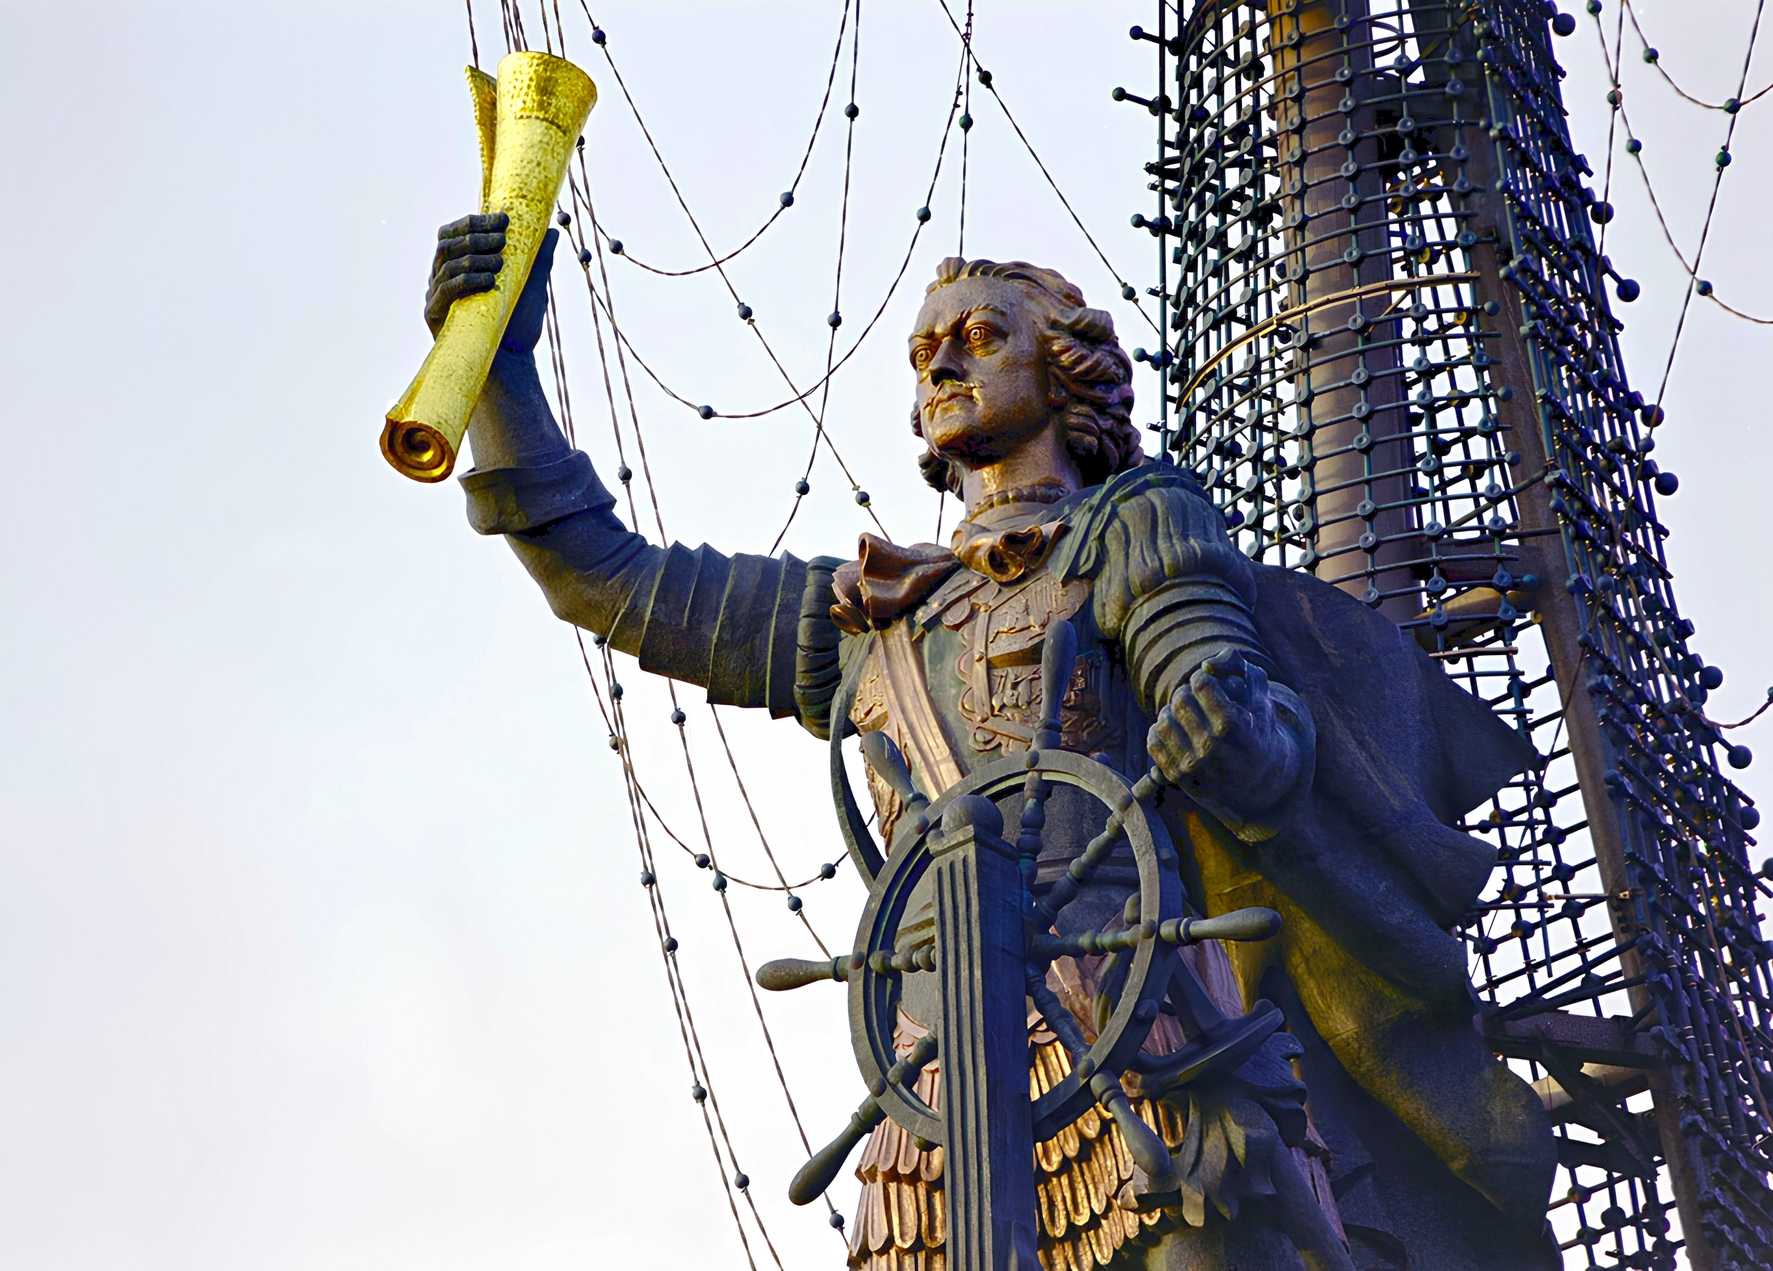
<point>982,388</point>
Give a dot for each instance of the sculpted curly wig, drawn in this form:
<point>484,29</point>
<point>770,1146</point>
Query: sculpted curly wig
<point>1084,361</point>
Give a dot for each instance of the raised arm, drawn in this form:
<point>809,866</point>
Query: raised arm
<point>746,628</point>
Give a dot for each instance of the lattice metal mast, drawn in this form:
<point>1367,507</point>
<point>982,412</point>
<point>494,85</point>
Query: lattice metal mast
<point>1391,355</point>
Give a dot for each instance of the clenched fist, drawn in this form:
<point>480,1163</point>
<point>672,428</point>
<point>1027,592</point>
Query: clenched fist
<point>1235,744</point>
<point>470,253</point>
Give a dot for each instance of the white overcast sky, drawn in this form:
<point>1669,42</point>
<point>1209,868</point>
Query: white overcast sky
<point>321,943</point>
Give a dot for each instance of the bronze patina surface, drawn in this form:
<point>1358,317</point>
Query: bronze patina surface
<point>1322,761</point>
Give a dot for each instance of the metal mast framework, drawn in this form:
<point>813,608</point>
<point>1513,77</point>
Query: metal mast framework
<point>1390,353</point>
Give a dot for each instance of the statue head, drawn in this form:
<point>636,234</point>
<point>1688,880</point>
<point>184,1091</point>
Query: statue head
<point>1005,351</point>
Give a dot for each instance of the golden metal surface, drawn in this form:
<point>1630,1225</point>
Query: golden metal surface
<point>540,105</point>
<point>483,91</point>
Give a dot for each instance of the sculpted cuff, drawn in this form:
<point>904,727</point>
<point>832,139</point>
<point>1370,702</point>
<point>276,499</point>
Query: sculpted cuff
<point>513,500</point>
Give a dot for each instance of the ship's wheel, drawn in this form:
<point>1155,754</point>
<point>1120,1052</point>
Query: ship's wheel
<point>1140,974</point>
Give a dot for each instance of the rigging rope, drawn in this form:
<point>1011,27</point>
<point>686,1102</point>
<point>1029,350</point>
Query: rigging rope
<point>707,412</point>
<point>1654,58</point>
<point>803,486</point>
<point>712,861</point>
<point>702,1090</point>
<point>1127,291</point>
<point>966,125</point>
<point>1634,147</point>
<point>1722,163</point>
<point>787,200</point>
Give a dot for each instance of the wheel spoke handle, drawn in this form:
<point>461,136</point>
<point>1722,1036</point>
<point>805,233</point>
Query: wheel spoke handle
<point>781,974</point>
<point>821,1169</point>
<point>1251,924</point>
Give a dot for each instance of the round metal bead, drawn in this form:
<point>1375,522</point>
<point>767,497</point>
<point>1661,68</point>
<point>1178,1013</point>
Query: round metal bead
<point>703,860</point>
<point>793,903</point>
<point>787,198</point>
<point>706,412</point>
<point>677,716</point>
<point>615,247</point>
<point>851,111</point>
<point>802,488</point>
<point>827,870</point>
<point>670,945</point>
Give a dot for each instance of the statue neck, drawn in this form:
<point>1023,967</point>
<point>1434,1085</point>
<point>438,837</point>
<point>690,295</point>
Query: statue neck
<point>1042,462</point>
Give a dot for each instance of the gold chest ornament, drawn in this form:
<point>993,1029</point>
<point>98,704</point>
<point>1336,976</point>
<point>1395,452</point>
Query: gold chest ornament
<point>1001,627</point>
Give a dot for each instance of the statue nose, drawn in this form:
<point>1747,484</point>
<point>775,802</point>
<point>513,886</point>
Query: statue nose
<point>945,366</point>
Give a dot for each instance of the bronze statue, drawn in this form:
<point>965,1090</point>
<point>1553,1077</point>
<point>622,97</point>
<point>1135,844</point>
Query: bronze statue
<point>1324,760</point>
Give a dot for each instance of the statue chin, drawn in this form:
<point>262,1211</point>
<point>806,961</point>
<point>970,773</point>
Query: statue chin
<point>959,436</point>
<point>955,434</point>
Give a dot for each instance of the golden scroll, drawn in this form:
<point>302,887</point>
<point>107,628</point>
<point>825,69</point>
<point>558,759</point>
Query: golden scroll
<point>528,120</point>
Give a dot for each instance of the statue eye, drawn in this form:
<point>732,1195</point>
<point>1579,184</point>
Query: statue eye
<point>978,333</point>
<point>920,356</point>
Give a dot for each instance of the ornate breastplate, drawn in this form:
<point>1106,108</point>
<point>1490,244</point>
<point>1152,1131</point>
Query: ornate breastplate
<point>999,628</point>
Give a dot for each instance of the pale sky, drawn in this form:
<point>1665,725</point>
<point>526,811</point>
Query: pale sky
<point>321,941</point>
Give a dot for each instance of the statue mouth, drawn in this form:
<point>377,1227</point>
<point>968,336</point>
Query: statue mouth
<point>950,394</point>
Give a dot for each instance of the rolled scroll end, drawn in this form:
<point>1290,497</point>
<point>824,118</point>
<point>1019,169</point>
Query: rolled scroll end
<point>418,451</point>
<point>539,105</point>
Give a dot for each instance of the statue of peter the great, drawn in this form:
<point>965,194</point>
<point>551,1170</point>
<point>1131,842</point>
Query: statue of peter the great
<point>1324,758</point>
